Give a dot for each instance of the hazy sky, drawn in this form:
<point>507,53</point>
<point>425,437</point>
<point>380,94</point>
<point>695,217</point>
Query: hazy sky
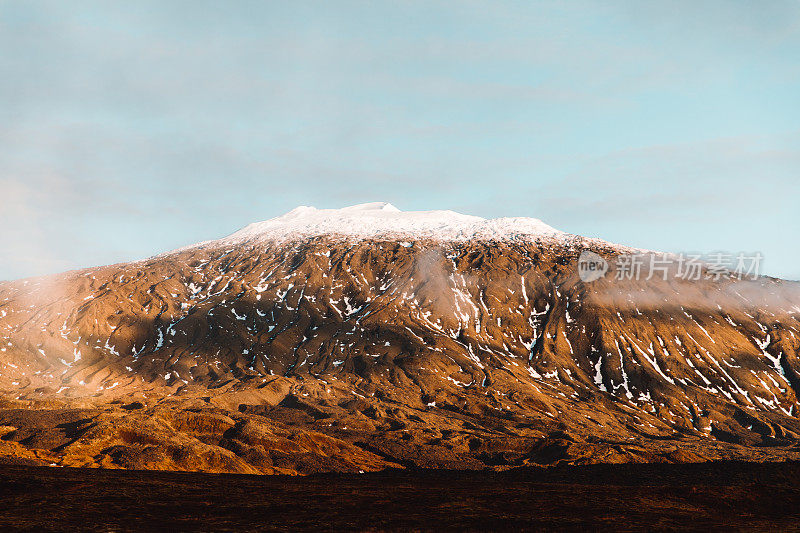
<point>130,128</point>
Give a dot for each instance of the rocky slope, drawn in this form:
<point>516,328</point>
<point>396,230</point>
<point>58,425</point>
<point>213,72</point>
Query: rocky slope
<point>356,339</point>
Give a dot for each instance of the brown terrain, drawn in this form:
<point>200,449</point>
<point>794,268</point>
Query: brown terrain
<point>329,353</point>
<point>717,496</point>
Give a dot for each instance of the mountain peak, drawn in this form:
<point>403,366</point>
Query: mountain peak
<point>353,210</point>
<point>382,219</point>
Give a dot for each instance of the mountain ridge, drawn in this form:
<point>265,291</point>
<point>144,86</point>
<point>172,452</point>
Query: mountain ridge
<point>395,349</point>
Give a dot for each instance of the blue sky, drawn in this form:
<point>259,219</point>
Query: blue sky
<point>131,128</point>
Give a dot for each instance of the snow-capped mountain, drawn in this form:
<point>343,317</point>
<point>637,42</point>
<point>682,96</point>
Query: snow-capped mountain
<point>429,338</point>
<point>383,220</point>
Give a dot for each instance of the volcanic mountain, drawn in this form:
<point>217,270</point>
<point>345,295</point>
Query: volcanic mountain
<point>367,337</point>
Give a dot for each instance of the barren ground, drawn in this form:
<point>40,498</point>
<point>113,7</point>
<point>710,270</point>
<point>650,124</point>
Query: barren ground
<point>627,497</point>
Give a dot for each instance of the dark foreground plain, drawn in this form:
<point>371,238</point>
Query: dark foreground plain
<point>730,496</point>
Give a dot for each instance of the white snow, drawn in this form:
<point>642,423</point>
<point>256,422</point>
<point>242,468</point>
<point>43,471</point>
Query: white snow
<point>382,219</point>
